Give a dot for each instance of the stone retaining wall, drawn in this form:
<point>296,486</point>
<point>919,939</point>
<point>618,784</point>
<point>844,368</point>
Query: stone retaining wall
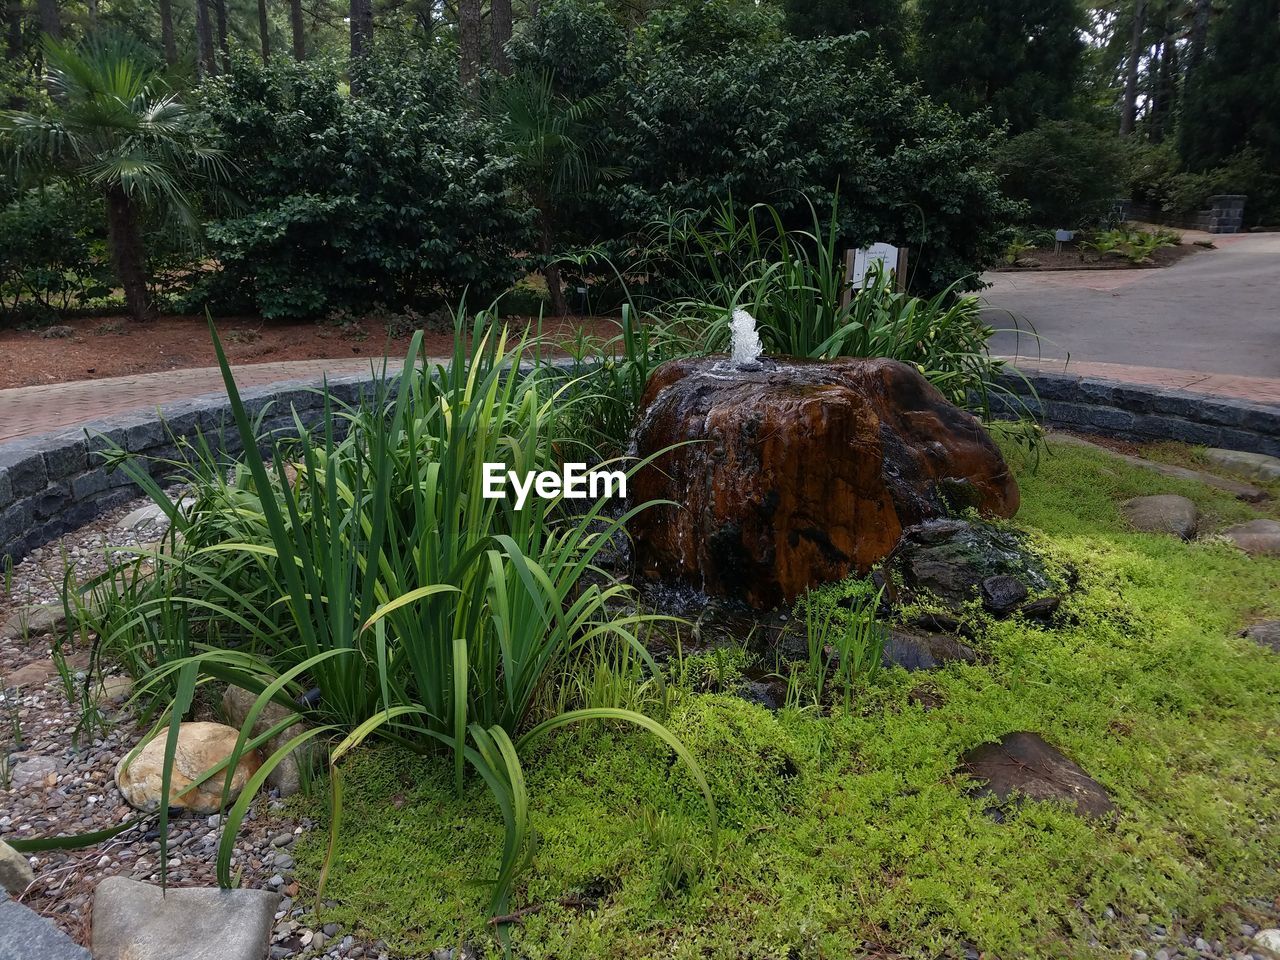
<point>1225,214</point>
<point>1136,412</point>
<point>57,482</point>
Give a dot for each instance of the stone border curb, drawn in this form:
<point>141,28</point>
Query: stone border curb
<point>1130,411</point>
<point>56,482</point>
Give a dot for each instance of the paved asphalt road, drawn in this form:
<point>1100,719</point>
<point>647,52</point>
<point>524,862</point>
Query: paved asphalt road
<point>1216,311</point>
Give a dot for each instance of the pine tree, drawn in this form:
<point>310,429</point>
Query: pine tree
<point>1020,58</point>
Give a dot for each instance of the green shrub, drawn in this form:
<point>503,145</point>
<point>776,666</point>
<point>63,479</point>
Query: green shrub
<point>51,253</point>
<point>1068,172</point>
<point>397,197</point>
<point>791,119</point>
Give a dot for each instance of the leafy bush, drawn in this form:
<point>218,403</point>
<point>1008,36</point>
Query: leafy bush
<point>1132,244</point>
<point>51,253</point>
<point>794,119</point>
<point>396,197</point>
<point>1068,172</point>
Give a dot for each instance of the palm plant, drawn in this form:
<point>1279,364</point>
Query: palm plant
<point>556,155</point>
<point>115,127</point>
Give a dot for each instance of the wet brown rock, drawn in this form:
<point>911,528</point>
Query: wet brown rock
<point>1022,766</point>
<point>800,472</point>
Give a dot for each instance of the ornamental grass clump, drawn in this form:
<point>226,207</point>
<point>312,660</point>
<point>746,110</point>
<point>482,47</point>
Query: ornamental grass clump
<point>362,573</point>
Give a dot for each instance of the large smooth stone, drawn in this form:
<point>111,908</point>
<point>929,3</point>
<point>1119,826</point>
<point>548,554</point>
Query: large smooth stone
<point>200,746</point>
<point>1162,513</point>
<point>286,776</point>
<point>1022,766</point>
<point>136,921</point>
<point>15,873</point>
<point>1256,466</point>
<point>1265,634</point>
<point>923,651</point>
<point>25,935</point>
<point>1258,538</point>
<point>800,472</point>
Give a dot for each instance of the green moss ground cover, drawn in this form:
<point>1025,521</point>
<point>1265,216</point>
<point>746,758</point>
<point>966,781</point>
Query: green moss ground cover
<point>846,835</point>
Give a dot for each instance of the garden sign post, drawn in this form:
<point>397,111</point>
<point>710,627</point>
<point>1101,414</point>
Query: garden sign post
<point>858,263</point>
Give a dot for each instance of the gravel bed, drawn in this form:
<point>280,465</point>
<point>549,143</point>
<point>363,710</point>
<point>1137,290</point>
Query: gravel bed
<point>53,781</point>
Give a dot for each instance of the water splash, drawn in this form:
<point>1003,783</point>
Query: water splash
<point>746,340</point>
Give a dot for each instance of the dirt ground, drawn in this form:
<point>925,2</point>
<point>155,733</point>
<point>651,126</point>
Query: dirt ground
<point>91,348</point>
<point>1070,258</point>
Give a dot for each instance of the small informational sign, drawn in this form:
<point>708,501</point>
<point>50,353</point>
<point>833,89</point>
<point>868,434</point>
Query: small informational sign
<point>860,263</point>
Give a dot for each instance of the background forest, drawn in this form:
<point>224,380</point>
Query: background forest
<point>306,158</point>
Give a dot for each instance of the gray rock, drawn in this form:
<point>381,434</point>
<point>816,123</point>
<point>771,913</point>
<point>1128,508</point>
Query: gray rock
<point>33,772</point>
<point>136,921</point>
<point>25,935</point>
<point>15,873</point>
<point>1258,538</point>
<point>923,651</point>
<point>1002,594</point>
<point>1256,466</point>
<point>1266,633</point>
<point>1023,766</point>
<point>1162,513</point>
<point>949,559</point>
<point>287,775</point>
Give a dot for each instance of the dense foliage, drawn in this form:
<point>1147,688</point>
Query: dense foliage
<point>1017,59</point>
<point>1069,172</point>
<point>753,127</point>
<point>50,253</point>
<point>396,197</point>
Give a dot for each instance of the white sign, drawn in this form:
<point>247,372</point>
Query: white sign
<point>864,261</point>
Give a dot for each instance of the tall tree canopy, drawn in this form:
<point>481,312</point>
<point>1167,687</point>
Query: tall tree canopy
<point>1020,58</point>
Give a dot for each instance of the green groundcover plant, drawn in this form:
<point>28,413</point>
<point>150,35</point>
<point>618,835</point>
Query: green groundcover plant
<point>848,832</point>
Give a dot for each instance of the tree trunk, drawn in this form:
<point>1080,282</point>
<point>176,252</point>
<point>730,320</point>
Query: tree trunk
<point>264,30</point>
<point>220,8</point>
<point>166,32</point>
<point>299,32</point>
<point>500,34</point>
<point>1199,29</point>
<point>206,65</point>
<point>468,41</point>
<point>550,269</point>
<point>50,20</point>
<point>1129,109</point>
<point>13,35</point>
<point>125,240</point>
<point>361,18</point>
<point>1155,88</point>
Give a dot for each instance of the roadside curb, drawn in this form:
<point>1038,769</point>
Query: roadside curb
<point>1130,411</point>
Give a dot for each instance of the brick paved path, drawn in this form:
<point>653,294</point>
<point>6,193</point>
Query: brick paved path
<point>30,411</point>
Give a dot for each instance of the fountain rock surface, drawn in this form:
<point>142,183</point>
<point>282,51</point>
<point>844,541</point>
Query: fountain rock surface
<point>800,471</point>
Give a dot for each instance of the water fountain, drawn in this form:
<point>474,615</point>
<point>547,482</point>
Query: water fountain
<point>787,473</point>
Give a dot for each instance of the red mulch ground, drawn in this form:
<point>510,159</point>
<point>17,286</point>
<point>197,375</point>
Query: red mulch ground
<point>98,347</point>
